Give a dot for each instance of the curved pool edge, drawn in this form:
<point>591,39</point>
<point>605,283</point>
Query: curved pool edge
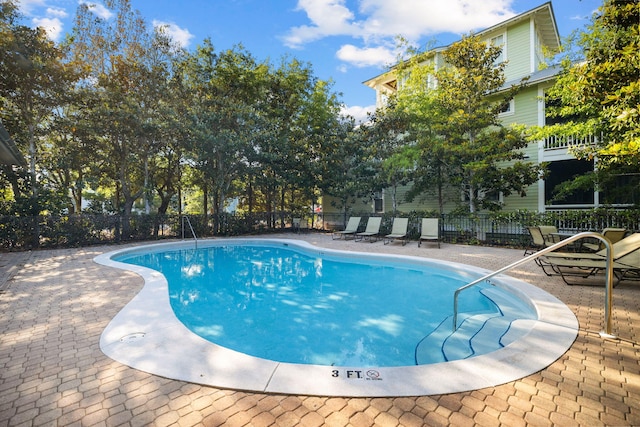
<point>155,341</point>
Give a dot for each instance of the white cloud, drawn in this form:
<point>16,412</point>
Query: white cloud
<point>182,36</point>
<point>377,22</point>
<point>366,57</point>
<point>27,6</point>
<point>97,9</point>
<point>328,18</point>
<point>51,22</point>
<point>357,112</point>
<point>52,26</point>
<point>417,18</point>
<point>56,12</point>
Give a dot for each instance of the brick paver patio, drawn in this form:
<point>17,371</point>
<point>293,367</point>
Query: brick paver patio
<point>54,305</point>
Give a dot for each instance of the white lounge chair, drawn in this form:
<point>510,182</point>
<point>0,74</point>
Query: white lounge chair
<point>350,230</point>
<point>430,231</point>
<point>398,231</point>
<point>372,232</point>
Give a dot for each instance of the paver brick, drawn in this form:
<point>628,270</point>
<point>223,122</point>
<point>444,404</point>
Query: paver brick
<point>409,419</point>
<point>50,361</point>
<point>434,420</point>
<point>289,419</point>
<point>537,419</point>
<point>458,419</point>
<point>312,419</point>
<point>523,404</point>
<point>263,419</point>
<point>485,420</point>
<point>512,420</point>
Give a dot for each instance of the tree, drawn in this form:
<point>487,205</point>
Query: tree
<point>128,70</point>
<point>599,95</point>
<point>345,174</point>
<point>393,152</point>
<point>34,81</point>
<point>298,111</point>
<point>426,148</point>
<point>464,143</point>
<point>223,92</point>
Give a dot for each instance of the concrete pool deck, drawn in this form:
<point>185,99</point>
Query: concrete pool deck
<point>56,303</point>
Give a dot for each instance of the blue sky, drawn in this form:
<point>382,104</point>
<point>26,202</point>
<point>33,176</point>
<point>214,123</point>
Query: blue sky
<point>347,41</point>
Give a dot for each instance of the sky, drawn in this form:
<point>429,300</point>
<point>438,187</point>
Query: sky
<point>345,41</point>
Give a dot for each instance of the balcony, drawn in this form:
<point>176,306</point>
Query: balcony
<point>558,142</point>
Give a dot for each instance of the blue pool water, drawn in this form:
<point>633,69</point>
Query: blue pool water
<point>292,305</point>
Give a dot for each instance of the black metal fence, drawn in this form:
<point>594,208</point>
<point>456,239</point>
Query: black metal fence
<point>22,233</point>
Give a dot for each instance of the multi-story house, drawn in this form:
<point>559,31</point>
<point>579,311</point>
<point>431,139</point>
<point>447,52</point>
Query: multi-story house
<point>523,39</point>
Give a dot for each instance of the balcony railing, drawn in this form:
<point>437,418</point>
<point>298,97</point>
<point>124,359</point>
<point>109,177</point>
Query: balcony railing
<point>556,142</point>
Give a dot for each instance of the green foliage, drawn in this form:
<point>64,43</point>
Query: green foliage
<point>35,81</point>
<point>601,94</point>
<point>459,139</point>
<point>343,173</point>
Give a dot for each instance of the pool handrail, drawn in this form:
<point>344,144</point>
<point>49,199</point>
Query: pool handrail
<point>608,275</point>
<point>195,238</point>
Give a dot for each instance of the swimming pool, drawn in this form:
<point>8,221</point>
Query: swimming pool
<point>147,335</point>
<point>291,305</point>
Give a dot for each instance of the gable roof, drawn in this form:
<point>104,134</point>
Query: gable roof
<point>545,21</point>
<point>542,15</point>
<point>9,153</point>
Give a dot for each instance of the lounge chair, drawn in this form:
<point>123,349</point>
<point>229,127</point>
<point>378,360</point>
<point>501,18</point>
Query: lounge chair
<point>350,229</point>
<point>300,225</point>
<point>398,231</point>
<point>613,234</point>
<point>537,241</point>
<point>430,231</point>
<point>625,254</point>
<point>372,231</point>
<point>549,234</point>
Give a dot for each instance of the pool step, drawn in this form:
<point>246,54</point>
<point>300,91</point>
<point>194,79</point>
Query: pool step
<point>478,333</point>
<point>460,344</point>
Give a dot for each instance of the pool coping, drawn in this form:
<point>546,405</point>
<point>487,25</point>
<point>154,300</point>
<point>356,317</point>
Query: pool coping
<point>155,341</point>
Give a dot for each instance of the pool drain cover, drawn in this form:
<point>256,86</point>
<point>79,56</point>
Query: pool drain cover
<point>132,337</point>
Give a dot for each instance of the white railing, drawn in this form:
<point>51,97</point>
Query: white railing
<point>555,142</point>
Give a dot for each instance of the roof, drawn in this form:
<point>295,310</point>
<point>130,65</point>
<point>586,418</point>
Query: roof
<point>9,153</point>
<point>545,21</point>
<point>540,76</point>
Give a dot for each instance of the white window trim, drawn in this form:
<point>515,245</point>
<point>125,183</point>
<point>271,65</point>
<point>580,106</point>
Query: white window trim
<point>504,44</point>
<point>511,111</point>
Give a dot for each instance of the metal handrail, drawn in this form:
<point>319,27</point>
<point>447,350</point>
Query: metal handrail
<point>195,238</point>
<point>608,275</point>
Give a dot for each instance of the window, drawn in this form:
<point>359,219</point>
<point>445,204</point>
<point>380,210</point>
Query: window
<point>499,41</point>
<point>508,109</point>
<point>621,186</point>
<point>562,172</point>
<point>378,202</point>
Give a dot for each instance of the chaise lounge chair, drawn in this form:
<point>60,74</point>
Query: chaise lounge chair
<point>299,225</point>
<point>398,231</point>
<point>625,254</point>
<point>430,231</point>
<point>537,241</point>
<point>372,231</point>
<point>613,234</point>
<point>549,234</point>
<point>350,229</point>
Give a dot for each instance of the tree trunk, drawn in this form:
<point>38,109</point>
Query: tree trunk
<point>35,203</point>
